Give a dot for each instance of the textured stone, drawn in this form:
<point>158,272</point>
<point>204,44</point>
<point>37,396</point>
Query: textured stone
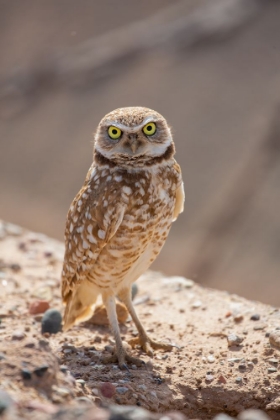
<point>38,307</point>
<point>51,321</point>
<point>274,338</point>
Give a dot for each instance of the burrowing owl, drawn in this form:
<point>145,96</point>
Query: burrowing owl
<point>120,219</point>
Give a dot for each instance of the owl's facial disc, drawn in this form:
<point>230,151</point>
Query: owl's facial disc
<point>149,139</point>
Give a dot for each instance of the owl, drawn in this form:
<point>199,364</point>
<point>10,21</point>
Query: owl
<point>120,219</point>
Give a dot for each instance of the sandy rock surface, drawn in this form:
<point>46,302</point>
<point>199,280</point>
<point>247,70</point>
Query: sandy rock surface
<point>225,358</point>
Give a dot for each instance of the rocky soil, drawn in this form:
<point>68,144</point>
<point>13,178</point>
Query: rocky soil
<point>225,360</point>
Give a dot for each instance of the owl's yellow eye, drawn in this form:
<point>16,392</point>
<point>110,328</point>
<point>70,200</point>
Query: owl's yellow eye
<point>150,129</point>
<point>114,132</point>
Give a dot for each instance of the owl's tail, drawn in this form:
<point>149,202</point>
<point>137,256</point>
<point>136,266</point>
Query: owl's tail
<point>79,306</point>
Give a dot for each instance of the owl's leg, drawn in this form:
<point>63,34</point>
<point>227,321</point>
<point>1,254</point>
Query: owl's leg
<point>145,342</point>
<point>120,356</point>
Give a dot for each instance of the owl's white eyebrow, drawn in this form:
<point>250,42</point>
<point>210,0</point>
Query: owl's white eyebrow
<point>131,129</point>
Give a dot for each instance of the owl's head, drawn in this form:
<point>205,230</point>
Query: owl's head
<point>133,135</point>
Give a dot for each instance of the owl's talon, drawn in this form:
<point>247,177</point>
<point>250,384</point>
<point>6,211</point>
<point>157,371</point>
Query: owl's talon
<point>122,359</point>
<point>147,344</point>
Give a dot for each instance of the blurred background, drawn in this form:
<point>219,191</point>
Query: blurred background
<point>211,68</point>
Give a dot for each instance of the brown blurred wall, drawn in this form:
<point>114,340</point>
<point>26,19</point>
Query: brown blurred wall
<point>219,99</point>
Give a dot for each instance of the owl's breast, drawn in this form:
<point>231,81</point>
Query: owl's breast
<point>149,203</point>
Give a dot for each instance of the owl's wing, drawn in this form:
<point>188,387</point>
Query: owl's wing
<point>90,225</point>
<point>180,193</point>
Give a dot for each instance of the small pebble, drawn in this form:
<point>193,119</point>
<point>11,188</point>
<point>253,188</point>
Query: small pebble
<point>143,387</point>
<point>274,338</point>
<point>238,380</point>
<point>108,390</point>
<point>84,400</point>
<point>211,359</point>
<point>252,414</point>
<point>181,281</point>
<point>69,346</point>
<point>259,327</point>
<point>26,374</point>
<point>63,369</point>
<point>43,343</point>
<point>121,390</point>
<point>238,318</point>
<point>222,379</point>
<point>196,304</point>
<point>209,378</point>
<point>242,367</point>
<point>40,371</point>
<point>5,402</point>
<point>81,382</point>
<point>255,317</point>
<point>271,370</point>
<point>223,416</point>
<point>234,340</point>
<point>63,392</point>
<point>273,361</point>
<point>51,321</point>
<point>18,335</point>
<point>48,254</point>
<point>30,345</point>
<point>234,360</point>
<point>38,307</point>
<point>15,267</point>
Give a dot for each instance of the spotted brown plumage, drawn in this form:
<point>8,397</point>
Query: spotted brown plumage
<point>120,219</point>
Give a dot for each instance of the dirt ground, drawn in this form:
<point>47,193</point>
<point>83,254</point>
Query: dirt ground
<point>225,359</point>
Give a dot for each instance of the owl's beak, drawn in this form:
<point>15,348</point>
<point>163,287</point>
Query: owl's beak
<point>134,146</point>
<point>133,143</point>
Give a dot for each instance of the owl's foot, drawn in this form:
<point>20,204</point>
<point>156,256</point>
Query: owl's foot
<point>122,359</point>
<point>148,344</point>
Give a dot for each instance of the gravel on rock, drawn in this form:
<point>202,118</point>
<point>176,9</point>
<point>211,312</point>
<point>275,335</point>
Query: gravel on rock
<point>209,372</point>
